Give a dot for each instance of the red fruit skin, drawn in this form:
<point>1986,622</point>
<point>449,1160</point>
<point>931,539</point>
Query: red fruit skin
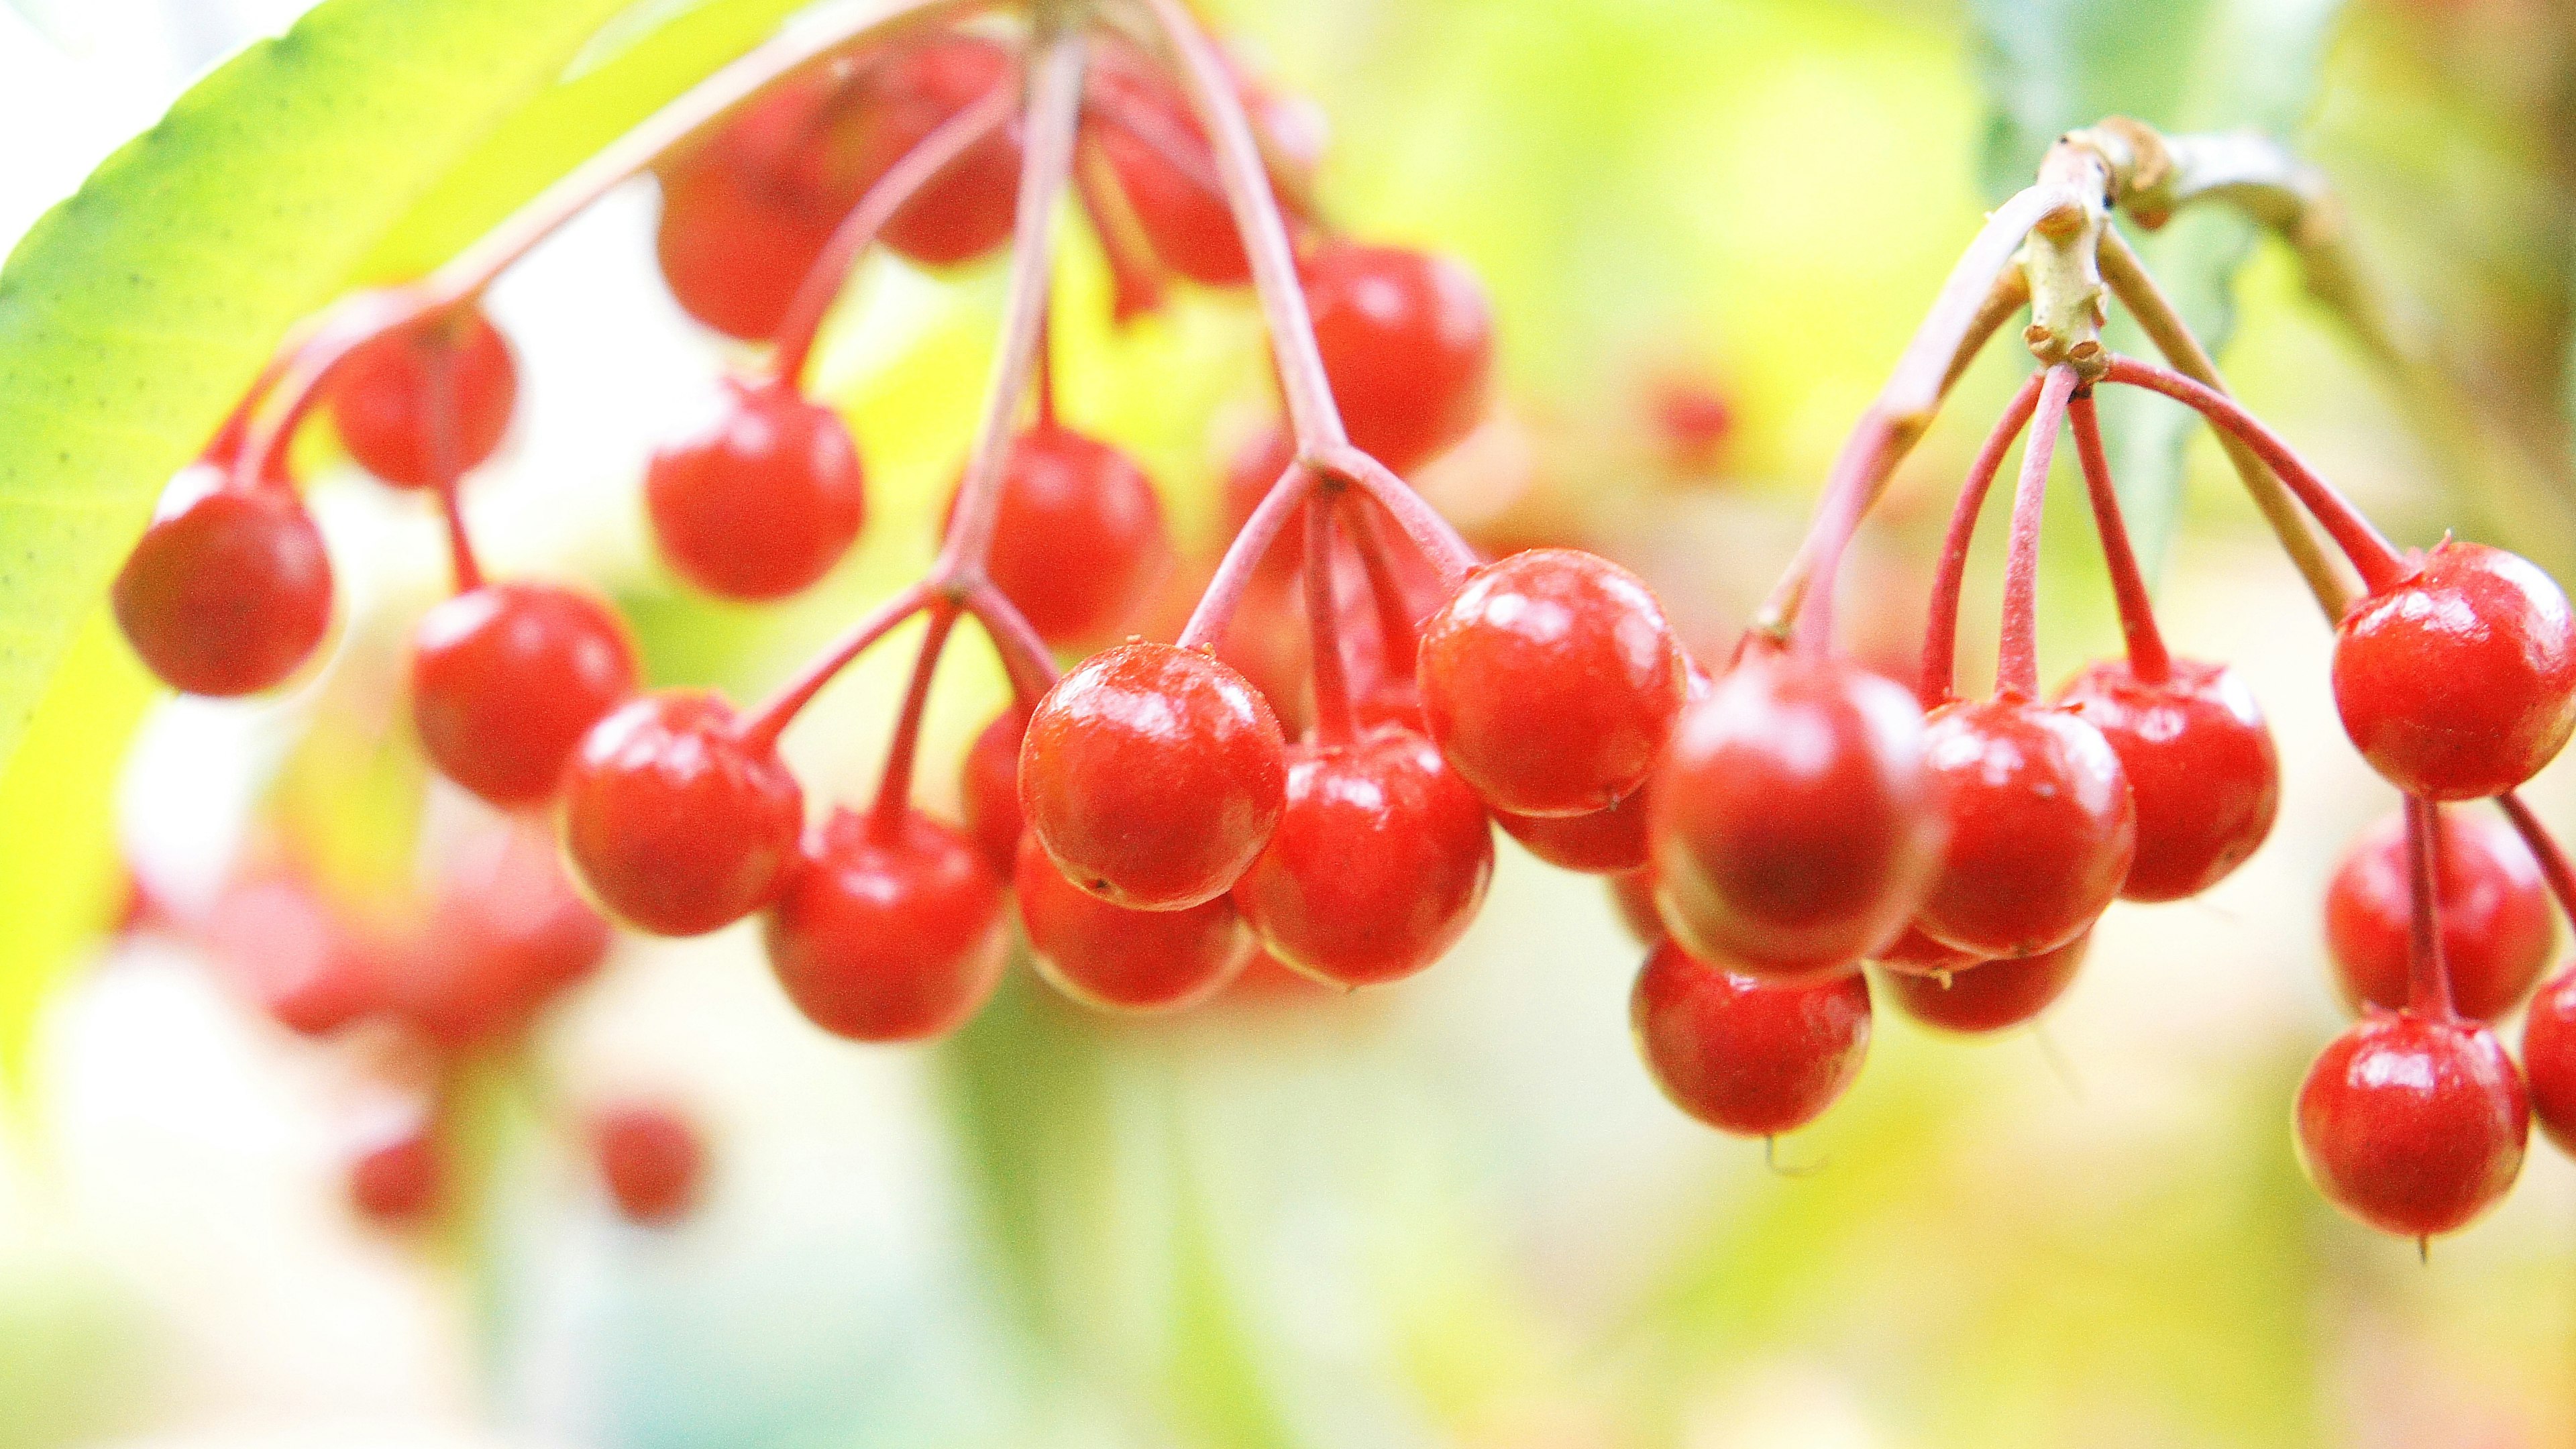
<point>1407,340</point>
<point>2460,682</point>
<point>734,243</point>
<point>506,679</point>
<point>1988,996</point>
<point>762,498</point>
<point>2042,828</point>
<point>395,1176</point>
<point>384,399</point>
<point>508,935</point>
<point>652,1161</point>
<point>1632,896</point>
<point>2413,1126</point>
<point>888,935</point>
<point>2497,925</point>
<point>967,211</point>
<point>1916,954</point>
<point>672,824</point>
<point>1116,959</point>
<point>1605,842</point>
<point>1743,1055</point>
<point>1550,681</point>
<point>1189,226</point>
<point>2549,1058</point>
<point>1079,542</point>
<point>1794,827</point>
<point>307,968</point>
<point>1378,865</point>
<point>989,789</point>
<point>1153,775</point>
<point>2202,770</point>
<point>229,591</point>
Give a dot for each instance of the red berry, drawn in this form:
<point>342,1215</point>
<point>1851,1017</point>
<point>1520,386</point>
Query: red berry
<point>1153,775</point>
<point>1987,996</point>
<point>652,1160</point>
<point>229,590</point>
<point>1916,954</point>
<point>395,1176</point>
<point>506,679</point>
<point>307,968</point>
<point>889,932</point>
<point>1632,895</point>
<point>744,218</point>
<point>1378,864</point>
<point>2461,681</point>
<point>2549,1058</point>
<point>673,823</point>
<point>1605,842</point>
<point>1122,960</point>
<point>2201,767</point>
<point>1747,1056</point>
<point>1551,681</point>
<point>918,86</point>
<point>2042,828</point>
<point>1183,216</point>
<point>1408,343</point>
<point>762,498</point>
<point>1079,542</point>
<point>1794,826</point>
<point>2413,1126</point>
<point>989,789</point>
<point>507,935</point>
<point>387,398</point>
<point>2494,909</point>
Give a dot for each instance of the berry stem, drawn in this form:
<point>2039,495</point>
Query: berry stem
<point>2428,977</point>
<point>2149,663</point>
<point>468,574</point>
<point>1394,614</point>
<point>1938,681</point>
<point>2544,849</point>
<point>2017,652</point>
<point>1046,369</point>
<point>760,729</point>
<point>2378,563</point>
<point>1334,720</point>
<point>1860,471</point>
<point>1449,555</point>
<point>1135,273</point>
<point>883,201</point>
<point>1233,575</point>
<point>1024,654</point>
<point>894,784</point>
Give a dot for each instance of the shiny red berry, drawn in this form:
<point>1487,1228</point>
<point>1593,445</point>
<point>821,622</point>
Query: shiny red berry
<point>2461,681</point>
<point>746,213</point>
<point>307,967</point>
<point>1747,1056</point>
<point>967,211</point>
<point>2497,926</point>
<point>1185,220</point>
<point>507,935</point>
<point>2549,1058</point>
<point>1408,343</point>
<point>2201,768</point>
<point>396,414</point>
<point>1605,842</point>
<point>2042,828</point>
<point>1153,775</point>
<point>759,499</point>
<point>989,789</point>
<point>1988,996</point>
<point>395,1176</point>
<point>1632,895</point>
<point>1078,544</point>
<point>652,1160</point>
<point>1122,960</point>
<point>505,680</point>
<point>1794,826</point>
<point>890,932</point>
<point>1379,862</point>
<point>673,823</point>
<point>2413,1126</point>
<point>229,590</point>
<point>1551,682</point>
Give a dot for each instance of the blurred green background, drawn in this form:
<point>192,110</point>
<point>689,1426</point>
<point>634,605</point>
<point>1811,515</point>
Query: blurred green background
<point>1452,1212</point>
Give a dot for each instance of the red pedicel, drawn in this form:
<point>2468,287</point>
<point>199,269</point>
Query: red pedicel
<point>887,933</point>
<point>988,789</point>
<point>2201,766</point>
<point>2413,1126</point>
<point>2042,828</point>
<point>1751,1057</point>
<point>1121,960</point>
<point>1078,542</point>
<point>672,822</point>
<point>506,679</point>
<point>2549,1058</point>
<point>1407,340</point>
<point>760,499</point>
<point>1988,996</point>
<point>2494,910</point>
<point>229,591</point>
<point>386,396</point>
<point>652,1160</point>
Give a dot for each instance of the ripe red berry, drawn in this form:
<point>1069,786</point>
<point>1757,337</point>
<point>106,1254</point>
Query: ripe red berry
<point>2042,828</point>
<point>1078,544</point>
<point>989,789</point>
<point>1184,217</point>
<point>887,933</point>
<point>505,680</point>
<point>309,969</point>
<point>672,822</point>
<point>1408,343</point>
<point>1122,960</point>
<point>1551,682</point>
<point>1605,842</point>
<point>507,935</point>
<point>2461,681</point>
<point>387,397</point>
<point>395,1176</point>
<point>2549,1058</point>
<point>1747,1056</point>
<point>2201,767</point>
<point>1916,954</point>
<point>901,100</point>
<point>1153,775</point>
<point>2496,919</point>
<point>1988,996</point>
<point>652,1160</point>
<point>1378,864</point>
<point>2413,1126</point>
<point>1632,895</point>
<point>760,499</point>
<point>229,590</point>
<point>1794,826</point>
<point>746,213</point>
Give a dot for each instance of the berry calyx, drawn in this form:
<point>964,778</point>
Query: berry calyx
<point>1121,960</point>
<point>988,789</point>
<point>674,822</point>
<point>1407,340</point>
<point>2202,769</point>
<point>229,591</point>
<point>2459,681</point>
<point>1550,681</point>
<point>2549,1058</point>
<point>1078,540</point>
<point>652,1160</point>
<point>1987,996</point>
<point>888,930</point>
<point>427,401</point>
<point>1153,775</point>
<point>2413,1126</point>
<point>2042,828</point>
<point>1752,1057</point>
<point>2493,907</point>
<point>506,679</point>
<point>1605,842</point>
<point>761,498</point>
<point>1380,860</point>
